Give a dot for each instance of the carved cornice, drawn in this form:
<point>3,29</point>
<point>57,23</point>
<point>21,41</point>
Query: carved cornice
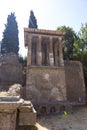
<point>44,32</point>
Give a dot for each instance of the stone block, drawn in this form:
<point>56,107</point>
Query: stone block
<point>27,118</point>
<point>27,114</point>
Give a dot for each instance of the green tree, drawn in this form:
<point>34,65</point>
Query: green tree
<point>80,43</point>
<point>32,20</point>
<point>83,35</point>
<point>68,41</point>
<point>80,49</point>
<point>10,41</point>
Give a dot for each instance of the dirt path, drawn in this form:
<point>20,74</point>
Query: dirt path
<point>73,121</point>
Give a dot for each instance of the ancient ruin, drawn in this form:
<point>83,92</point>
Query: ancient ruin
<point>47,84</point>
<point>45,65</point>
<point>15,111</point>
<point>52,84</point>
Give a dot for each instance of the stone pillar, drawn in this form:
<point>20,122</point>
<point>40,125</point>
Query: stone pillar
<point>29,50</point>
<point>61,62</point>
<point>39,53</point>
<point>8,111</point>
<point>7,120</point>
<point>51,58</point>
<point>56,48</point>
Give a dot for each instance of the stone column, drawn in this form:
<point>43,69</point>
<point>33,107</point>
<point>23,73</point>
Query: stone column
<point>39,52</point>
<point>8,120</point>
<point>51,58</point>
<point>61,62</point>
<point>56,53</point>
<point>29,50</point>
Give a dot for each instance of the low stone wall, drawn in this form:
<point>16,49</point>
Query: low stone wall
<point>74,81</point>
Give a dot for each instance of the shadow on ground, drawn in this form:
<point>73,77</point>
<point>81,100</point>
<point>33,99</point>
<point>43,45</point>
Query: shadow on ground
<point>27,128</point>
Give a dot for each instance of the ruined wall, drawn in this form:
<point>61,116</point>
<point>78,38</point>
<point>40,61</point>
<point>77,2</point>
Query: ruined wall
<point>10,71</point>
<point>74,81</point>
<point>45,83</point>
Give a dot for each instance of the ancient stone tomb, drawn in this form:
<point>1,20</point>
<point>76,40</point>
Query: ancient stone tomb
<point>45,66</point>
<point>50,81</point>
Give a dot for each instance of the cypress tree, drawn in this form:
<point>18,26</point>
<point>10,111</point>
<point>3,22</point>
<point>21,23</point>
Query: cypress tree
<point>32,20</point>
<point>10,41</point>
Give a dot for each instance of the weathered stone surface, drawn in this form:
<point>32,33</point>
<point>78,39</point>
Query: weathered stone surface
<point>15,90</point>
<point>42,51</point>
<point>45,83</point>
<point>6,98</point>
<point>10,71</point>
<point>56,94</point>
<point>10,103</point>
<point>8,113</point>
<point>7,120</point>
<point>42,32</point>
<point>48,80</point>
<point>27,114</point>
<point>74,81</point>
<point>10,108</point>
<point>33,92</point>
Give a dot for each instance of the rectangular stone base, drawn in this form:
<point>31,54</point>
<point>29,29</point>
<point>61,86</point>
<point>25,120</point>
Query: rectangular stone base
<point>45,83</point>
<point>27,115</point>
<point>27,118</point>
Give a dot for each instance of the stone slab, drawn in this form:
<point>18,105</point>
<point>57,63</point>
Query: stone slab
<point>27,118</point>
<point>27,115</point>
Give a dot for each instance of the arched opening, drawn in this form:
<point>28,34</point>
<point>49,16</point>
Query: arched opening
<point>52,109</point>
<point>43,110</point>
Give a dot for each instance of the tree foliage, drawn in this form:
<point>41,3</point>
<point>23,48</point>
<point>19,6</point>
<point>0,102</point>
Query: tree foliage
<point>80,44</point>
<point>32,20</point>
<point>10,41</point>
<point>80,49</point>
<point>75,46</point>
<point>68,41</point>
<point>83,35</point>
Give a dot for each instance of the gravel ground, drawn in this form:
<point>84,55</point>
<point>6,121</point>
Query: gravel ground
<point>77,120</point>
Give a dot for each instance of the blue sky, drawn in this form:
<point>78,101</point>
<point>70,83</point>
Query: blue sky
<point>49,13</point>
